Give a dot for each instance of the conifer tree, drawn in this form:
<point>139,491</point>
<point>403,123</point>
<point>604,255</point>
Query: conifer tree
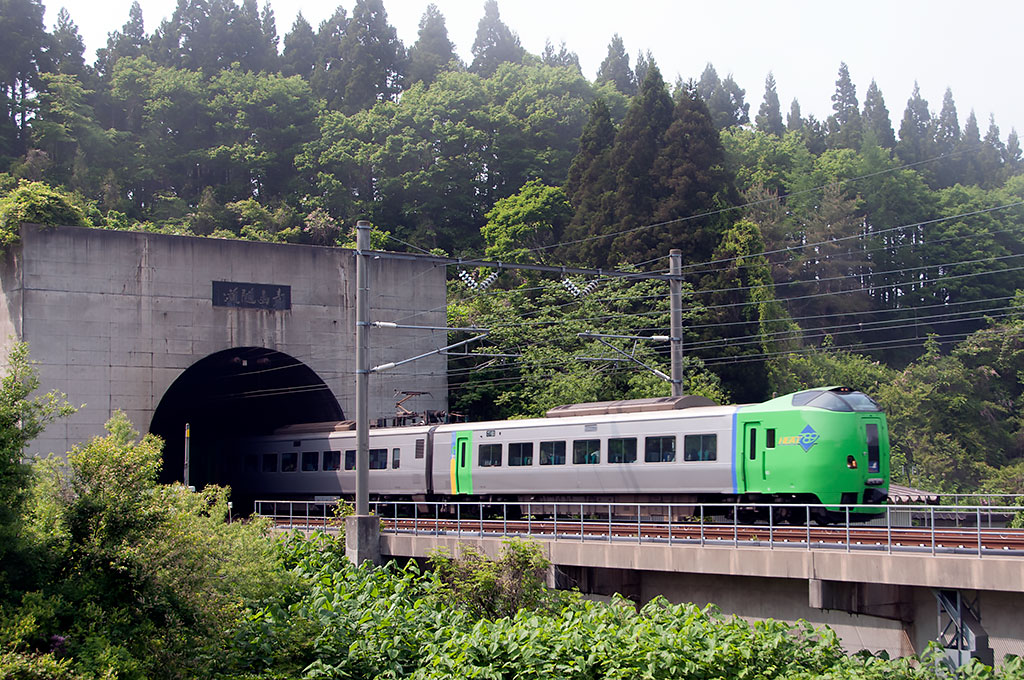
<point>949,167</point>
<point>563,57</point>
<point>615,68</point>
<point>128,42</point>
<point>299,58</point>
<point>969,150</point>
<point>769,116</point>
<point>495,43</point>
<point>328,81</point>
<point>724,99</point>
<point>916,137</point>
<point>432,51</point>
<point>876,117</point>
<point>371,58</point>
<point>846,130</point>
<point>990,157</point>
<point>67,50</point>
<point>644,61</point>
<point>1012,155</point>
<point>22,57</point>
<point>592,160</point>
<point>793,121</point>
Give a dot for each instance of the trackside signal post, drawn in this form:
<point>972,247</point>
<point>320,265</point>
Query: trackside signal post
<point>362,530</point>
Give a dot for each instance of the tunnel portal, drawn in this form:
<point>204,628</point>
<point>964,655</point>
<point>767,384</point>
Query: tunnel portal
<point>233,394</point>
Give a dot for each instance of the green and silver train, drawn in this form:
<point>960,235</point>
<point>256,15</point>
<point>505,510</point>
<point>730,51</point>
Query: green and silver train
<point>828,447</point>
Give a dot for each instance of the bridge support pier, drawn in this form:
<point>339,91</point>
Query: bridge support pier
<point>362,538</point>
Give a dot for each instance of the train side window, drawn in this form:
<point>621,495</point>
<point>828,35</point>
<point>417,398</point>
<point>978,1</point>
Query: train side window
<point>332,460</point>
<point>395,458</point>
<point>520,454</point>
<point>874,460</point>
<point>769,438</point>
<point>490,455</point>
<point>269,462</point>
<point>622,450</point>
<point>586,452</point>
<point>552,453</point>
<point>660,449</point>
<point>699,447</point>
<point>309,461</point>
<point>289,461</point>
<point>420,446</point>
<point>250,463</point>
<point>378,459</point>
<point>753,443</point>
<point>350,460</point>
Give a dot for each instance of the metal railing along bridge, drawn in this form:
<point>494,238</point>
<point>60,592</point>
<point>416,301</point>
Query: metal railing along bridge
<point>978,530</point>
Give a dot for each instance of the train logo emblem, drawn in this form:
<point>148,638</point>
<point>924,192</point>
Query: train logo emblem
<point>806,439</point>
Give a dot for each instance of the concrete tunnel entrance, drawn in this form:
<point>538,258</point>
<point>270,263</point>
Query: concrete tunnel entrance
<point>235,393</point>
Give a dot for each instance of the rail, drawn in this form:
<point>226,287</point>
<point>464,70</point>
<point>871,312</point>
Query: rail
<point>976,531</point>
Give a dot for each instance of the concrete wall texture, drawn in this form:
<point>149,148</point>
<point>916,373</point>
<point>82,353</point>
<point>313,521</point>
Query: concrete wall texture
<point>114,318</point>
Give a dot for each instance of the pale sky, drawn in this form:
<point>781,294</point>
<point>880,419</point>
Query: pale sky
<point>972,47</point>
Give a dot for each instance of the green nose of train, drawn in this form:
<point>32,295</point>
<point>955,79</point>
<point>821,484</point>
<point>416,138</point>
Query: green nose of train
<point>827,445</point>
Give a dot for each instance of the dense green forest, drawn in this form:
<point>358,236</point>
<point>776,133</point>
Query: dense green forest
<point>844,250</point>
<point>106,574</point>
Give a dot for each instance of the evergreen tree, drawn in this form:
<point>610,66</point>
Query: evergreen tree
<point>724,99</point>
<point>300,57</point>
<point>67,50</point>
<point>876,117</point>
<point>916,138</point>
<point>769,116</point>
<point>433,51</point>
<point>128,42</point>
<point>846,130</point>
<point>592,159</point>
<point>949,167</point>
<point>793,121</point>
<point>615,68</point>
<point>1012,155</point>
<point>371,57</point>
<point>644,61</point>
<point>693,184</point>
<point>22,57</point>
<point>495,43</point>
<point>210,35</point>
<point>562,58</point>
<point>969,151</point>
<point>990,157</point>
<point>328,80</point>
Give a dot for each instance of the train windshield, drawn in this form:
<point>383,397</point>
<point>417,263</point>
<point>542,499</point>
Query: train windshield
<point>841,399</point>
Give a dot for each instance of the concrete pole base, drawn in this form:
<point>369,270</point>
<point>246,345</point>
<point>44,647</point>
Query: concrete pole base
<point>362,538</point>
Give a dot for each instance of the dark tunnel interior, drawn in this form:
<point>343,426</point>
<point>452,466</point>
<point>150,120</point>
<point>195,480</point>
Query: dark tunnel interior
<point>236,393</point>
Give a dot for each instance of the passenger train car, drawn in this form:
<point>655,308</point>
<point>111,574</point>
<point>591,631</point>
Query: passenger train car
<point>823,446</point>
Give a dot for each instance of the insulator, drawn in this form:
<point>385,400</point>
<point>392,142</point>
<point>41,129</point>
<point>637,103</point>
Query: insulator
<point>489,280</point>
<point>571,287</point>
<point>589,288</point>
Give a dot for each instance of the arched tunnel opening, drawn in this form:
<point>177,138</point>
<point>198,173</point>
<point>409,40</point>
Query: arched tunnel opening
<point>228,396</point>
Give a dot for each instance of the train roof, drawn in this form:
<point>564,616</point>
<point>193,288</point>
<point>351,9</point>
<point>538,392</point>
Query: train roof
<point>602,408</point>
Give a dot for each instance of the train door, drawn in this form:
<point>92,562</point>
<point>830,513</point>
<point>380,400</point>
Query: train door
<point>462,460</point>
<point>875,441</point>
<point>754,463</point>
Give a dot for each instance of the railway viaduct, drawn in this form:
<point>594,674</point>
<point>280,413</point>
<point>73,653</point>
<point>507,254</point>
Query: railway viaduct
<point>233,337</point>
<point>873,600</point>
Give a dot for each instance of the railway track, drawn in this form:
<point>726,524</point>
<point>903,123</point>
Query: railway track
<point>938,540</point>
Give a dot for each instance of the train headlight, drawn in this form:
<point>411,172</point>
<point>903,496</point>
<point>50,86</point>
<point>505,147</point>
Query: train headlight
<point>851,462</point>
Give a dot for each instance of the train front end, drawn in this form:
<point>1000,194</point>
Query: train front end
<point>828,446</point>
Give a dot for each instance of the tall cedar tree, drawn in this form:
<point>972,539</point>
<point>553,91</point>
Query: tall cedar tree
<point>949,167</point>
<point>916,139</point>
<point>644,61</point>
<point>22,56</point>
<point>693,182</point>
<point>846,133</point>
<point>128,42</point>
<point>769,116</point>
<point>564,57</point>
<point>67,49</point>
<point>433,51</point>
<point>969,149</point>
<point>794,121</point>
<point>615,68</point>
<point>990,157</point>
<point>724,99</point>
<point>876,117</point>
<point>329,80</point>
<point>299,58</point>
<point>1012,156</point>
<point>495,43</point>
<point>210,36</point>
<point>371,57</point>
<point>590,186</point>
<point>637,144</point>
